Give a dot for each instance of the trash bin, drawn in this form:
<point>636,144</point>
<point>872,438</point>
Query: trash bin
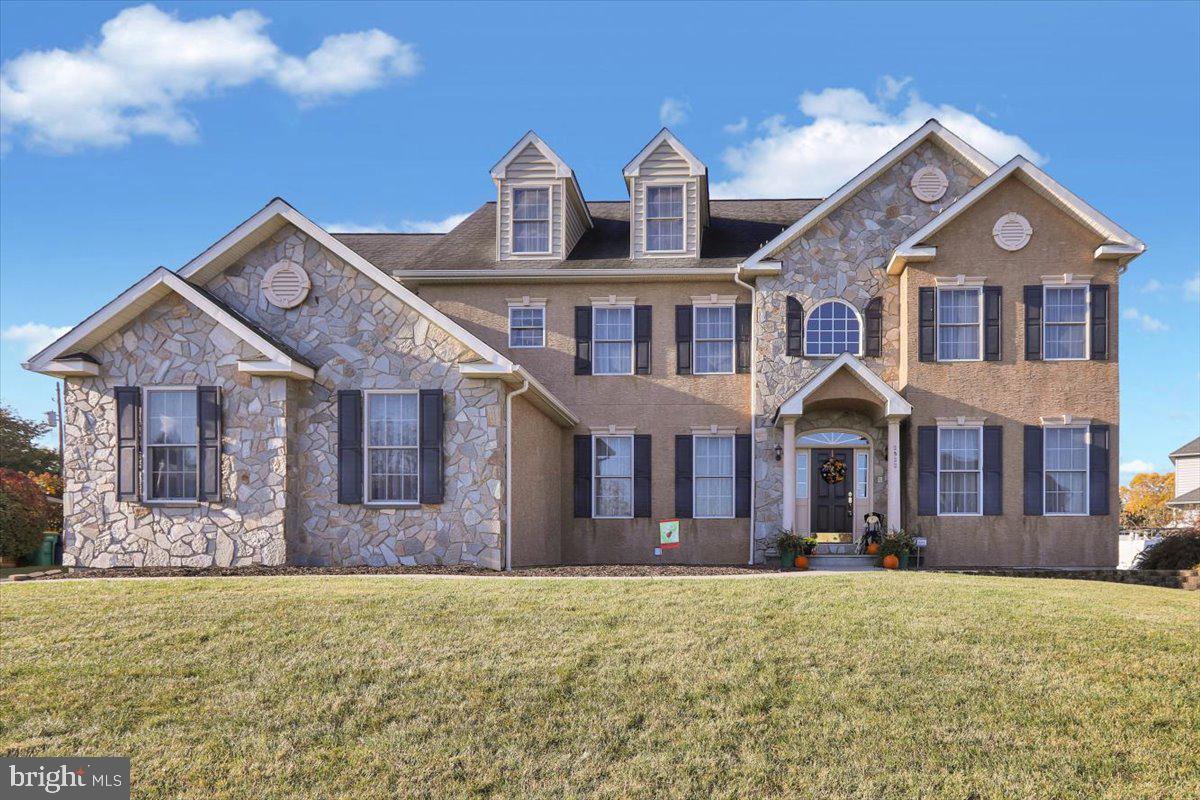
<point>44,557</point>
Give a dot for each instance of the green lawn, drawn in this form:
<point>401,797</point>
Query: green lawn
<point>874,685</point>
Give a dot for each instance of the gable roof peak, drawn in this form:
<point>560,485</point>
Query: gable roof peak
<point>561,170</point>
<point>695,165</point>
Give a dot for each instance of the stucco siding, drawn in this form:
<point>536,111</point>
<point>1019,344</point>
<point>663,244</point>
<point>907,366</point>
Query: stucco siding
<point>536,487</point>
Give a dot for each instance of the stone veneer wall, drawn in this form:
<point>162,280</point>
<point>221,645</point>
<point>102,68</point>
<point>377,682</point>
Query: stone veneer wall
<point>362,337</point>
<point>844,256</point>
<point>173,344</point>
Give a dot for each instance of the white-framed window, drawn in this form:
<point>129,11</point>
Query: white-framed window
<point>526,326</point>
<point>172,438</point>
<point>612,340</point>
<point>960,324</point>
<point>862,479</point>
<point>801,474</point>
<point>664,219</point>
<point>712,477</point>
<point>960,471</point>
<point>1066,470</point>
<point>1065,324</point>
<point>833,328</point>
<point>712,331</point>
<point>531,221</point>
<point>390,447</point>
<point>612,477</point>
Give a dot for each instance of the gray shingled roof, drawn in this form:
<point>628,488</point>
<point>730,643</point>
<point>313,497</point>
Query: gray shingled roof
<point>1186,498</point>
<point>736,228</point>
<point>1192,448</point>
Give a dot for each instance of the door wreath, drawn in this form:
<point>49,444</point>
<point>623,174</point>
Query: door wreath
<point>833,470</point>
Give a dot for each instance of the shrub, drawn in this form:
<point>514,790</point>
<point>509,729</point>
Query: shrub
<point>24,514</point>
<point>1175,551</point>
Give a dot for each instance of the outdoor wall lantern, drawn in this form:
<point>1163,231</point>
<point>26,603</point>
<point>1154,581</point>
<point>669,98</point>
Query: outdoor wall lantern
<point>779,452</point>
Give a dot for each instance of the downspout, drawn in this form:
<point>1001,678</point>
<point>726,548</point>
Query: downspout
<point>508,423</point>
<point>753,397</point>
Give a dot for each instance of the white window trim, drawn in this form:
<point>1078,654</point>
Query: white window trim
<point>941,513</point>
<point>732,475</point>
<point>1087,468</point>
<point>978,289</point>
<point>660,184</point>
<point>802,474</point>
<point>861,328</point>
<point>732,338</point>
<point>366,456</point>
<point>145,432</point>
<point>1069,282</point>
<point>526,302</point>
<point>615,304</point>
<point>596,473</point>
<point>512,220</point>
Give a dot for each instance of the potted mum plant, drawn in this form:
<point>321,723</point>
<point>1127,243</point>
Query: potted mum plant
<point>789,545</point>
<point>808,546</point>
<point>896,548</point>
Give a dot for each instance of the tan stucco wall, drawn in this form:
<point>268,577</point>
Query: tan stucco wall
<point>661,404</point>
<point>537,482</point>
<point>1013,392</point>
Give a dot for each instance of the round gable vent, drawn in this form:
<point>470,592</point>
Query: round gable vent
<point>286,284</point>
<point>929,184</point>
<point>1012,231</point>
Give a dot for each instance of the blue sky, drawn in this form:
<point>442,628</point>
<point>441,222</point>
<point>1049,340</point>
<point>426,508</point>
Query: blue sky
<point>136,136</point>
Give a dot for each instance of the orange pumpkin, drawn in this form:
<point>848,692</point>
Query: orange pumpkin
<point>801,562</point>
<point>873,549</point>
<point>891,562</point>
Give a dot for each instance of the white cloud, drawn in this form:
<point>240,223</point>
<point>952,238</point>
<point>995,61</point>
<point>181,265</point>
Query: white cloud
<point>736,128</point>
<point>1148,322</point>
<point>1135,466</point>
<point>406,226</point>
<point>889,88</point>
<point>148,64</point>
<point>32,336</point>
<point>674,111</point>
<point>1192,286</point>
<point>845,132</point>
<point>1151,286</point>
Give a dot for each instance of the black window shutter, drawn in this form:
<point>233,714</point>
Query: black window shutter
<point>583,476</point>
<point>927,457</point>
<point>927,324</point>
<point>795,327</point>
<point>641,338</point>
<point>1099,322</point>
<point>683,340</point>
<point>129,429</point>
<point>1033,326</point>
<point>208,420</point>
<point>641,475</point>
<point>874,316</point>
<point>1033,469</point>
<point>583,340</point>
<point>991,323</point>
<point>993,470</point>
<point>742,334</point>
<point>683,476</point>
<point>1098,456</point>
<point>349,446</point>
<point>431,463</point>
<point>743,474</point>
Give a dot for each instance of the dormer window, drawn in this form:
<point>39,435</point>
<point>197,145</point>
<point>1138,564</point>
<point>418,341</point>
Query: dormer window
<point>531,221</point>
<point>664,219</point>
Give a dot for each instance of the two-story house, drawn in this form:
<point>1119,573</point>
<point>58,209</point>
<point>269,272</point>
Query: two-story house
<point>935,342</point>
<point>1186,502</point>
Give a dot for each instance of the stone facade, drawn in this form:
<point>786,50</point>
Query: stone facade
<point>844,256</point>
<point>172,344</point>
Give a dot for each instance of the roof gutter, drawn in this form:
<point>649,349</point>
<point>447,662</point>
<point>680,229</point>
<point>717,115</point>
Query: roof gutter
<point>508,492</point>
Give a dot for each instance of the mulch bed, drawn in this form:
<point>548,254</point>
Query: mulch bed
<point>621,571</point>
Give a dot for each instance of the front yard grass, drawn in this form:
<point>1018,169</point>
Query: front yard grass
<point>875,685</point>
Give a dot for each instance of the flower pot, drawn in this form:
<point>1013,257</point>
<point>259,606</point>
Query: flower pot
<point>891,562</point>
<point>801,562</point>
<point>787,559</point>
<point>873,549</point>
<point>904,561</point>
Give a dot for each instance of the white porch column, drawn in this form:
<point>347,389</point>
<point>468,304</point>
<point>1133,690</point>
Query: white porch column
<point>893,474</point>
<point>789,474</point>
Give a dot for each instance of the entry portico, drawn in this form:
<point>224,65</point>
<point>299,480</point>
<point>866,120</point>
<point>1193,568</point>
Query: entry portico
<point>845,384</point>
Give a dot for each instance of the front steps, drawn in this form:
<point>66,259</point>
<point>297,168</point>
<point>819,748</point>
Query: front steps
<point>843,562</point>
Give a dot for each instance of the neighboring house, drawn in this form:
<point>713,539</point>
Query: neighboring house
<point>1187,484</point>
<point>549,379</point>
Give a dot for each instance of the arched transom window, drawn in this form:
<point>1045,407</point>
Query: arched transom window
<point>833,328</point>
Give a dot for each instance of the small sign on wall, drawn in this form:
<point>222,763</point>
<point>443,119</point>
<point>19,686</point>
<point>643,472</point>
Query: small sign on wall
<point>668,534</point>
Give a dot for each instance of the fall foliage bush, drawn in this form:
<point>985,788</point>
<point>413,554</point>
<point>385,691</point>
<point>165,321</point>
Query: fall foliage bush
<point>1176,551</point>
<point>24,514</point>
